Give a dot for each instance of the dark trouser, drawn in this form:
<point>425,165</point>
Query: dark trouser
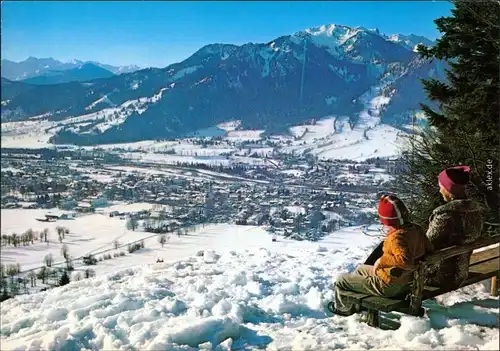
<point>362,281</point>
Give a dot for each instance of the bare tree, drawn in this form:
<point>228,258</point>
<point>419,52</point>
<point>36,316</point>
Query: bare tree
<point>12,271</point>
<point>48,260</point>
<point>132,223</point>
<point>162,239</point>
<point>32,276</point>
<point>45,233</point>
<point>61,232</point>
<point>54,274</point>
<point>43,273</point>
<point>89,273</point>
<point>30,233</point>
<point>65,254</point>
<point>14,239</point>
<point>65,251</point>
<point>25,284</point>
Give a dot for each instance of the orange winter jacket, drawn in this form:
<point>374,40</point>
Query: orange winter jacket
<point>401,250</point>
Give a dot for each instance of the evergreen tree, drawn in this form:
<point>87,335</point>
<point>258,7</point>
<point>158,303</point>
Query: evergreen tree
<point>64,278</point>
<point>5,295</point>
<point>464,127</point>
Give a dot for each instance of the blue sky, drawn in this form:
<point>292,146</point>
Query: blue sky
<point>160,33</point>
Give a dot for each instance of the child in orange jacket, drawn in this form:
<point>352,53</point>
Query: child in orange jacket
<point>405,243</point>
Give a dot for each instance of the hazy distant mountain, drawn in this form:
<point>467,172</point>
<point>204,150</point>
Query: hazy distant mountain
<point>33,66</point>
<point>85,72</point>
<point>117,69</point>
<point>328,70</point>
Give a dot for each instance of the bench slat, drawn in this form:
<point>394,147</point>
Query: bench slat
<point>383,304</point>
<point>368,301</point>
<point>452,251</point>
<point>354,296</point>
<point>487,267</point>
<point>486,255</point>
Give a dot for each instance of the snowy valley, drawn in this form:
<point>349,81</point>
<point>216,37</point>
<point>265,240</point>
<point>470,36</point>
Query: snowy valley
<point>204,252</point>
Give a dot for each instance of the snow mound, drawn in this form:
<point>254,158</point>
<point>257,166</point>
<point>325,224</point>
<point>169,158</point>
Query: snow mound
<point>270,297</point>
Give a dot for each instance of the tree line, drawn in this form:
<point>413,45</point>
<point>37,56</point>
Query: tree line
<point>30,236</point>
<point>464,116</point>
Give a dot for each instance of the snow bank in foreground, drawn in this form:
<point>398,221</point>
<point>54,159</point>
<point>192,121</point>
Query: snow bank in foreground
<point>228,300</point>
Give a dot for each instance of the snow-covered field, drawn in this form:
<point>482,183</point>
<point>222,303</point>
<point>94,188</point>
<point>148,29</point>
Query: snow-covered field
<point>245,292</point>
<point>28,134</point>
<point>88,233</point>
<point>333,138</point>
<point>329,138</point>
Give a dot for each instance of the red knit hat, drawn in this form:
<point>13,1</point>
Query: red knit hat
<point>392,211</point>
<point>454,179</point>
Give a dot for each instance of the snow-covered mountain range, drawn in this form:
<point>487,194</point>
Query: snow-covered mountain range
<point>33,67</point>
<point>85,72</point>
<point>361,75</point>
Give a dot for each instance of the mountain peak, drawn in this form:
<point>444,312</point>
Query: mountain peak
<point>340,34</point>
<point>216,47</point>
<point>32,58</point>
<point>224,50</point>
<point>89,65</point>
<point>75,62</point>
<point>410,41</point>
<point>329,30</point>
<point>331,36</point>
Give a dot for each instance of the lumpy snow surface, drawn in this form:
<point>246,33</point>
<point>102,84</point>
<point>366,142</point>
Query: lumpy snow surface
<point>271,298</point>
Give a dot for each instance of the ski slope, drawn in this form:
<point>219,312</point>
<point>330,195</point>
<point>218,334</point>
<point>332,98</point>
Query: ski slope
<point>244,292</point>
<point>333,138</point>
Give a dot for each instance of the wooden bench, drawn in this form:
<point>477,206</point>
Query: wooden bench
<point>482,265</point>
